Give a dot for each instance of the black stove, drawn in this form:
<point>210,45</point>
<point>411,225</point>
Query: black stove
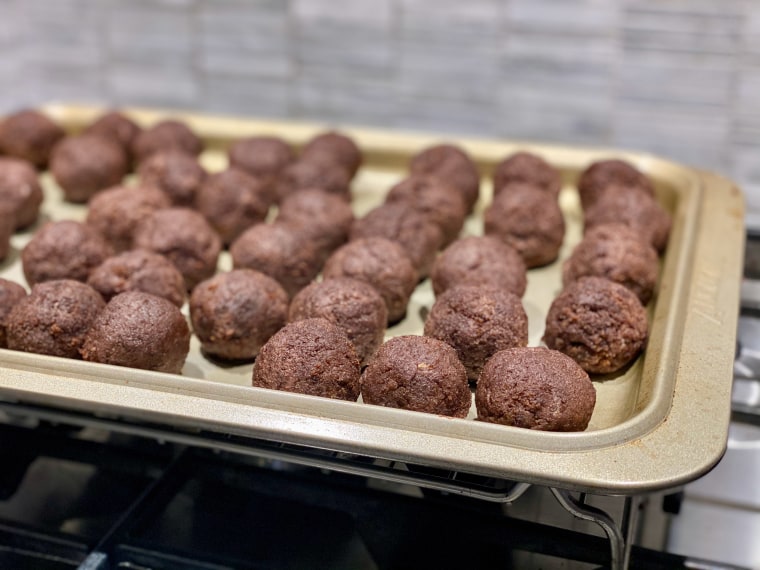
<point>97,499</point>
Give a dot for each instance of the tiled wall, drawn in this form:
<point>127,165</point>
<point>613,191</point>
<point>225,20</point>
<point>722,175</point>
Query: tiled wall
<point>678,77</point>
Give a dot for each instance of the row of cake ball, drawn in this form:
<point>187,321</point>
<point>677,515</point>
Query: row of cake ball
<point>263,170</point>
<point>111,146</point>
<point>599,319</point>
<point>311,355</point>
<point>231,201</point>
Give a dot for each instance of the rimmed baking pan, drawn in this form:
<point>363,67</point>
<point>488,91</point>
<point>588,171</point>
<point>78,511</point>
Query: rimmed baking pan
<point>660,423</point>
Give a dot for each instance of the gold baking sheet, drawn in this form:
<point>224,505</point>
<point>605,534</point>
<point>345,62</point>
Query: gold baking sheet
<point>661,422</point>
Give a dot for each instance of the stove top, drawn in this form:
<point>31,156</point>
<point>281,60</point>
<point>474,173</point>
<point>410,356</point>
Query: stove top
<point>97,500</point>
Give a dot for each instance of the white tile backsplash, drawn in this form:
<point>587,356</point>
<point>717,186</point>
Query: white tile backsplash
<point>681,77</point>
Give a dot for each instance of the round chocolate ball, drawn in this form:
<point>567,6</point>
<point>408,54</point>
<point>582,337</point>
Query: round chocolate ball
<point>598,323</point>
<point>185,238</point>
<point>452,165</point>
<point>525,167</point>
<point>618,253</point>
<point>355,306</point>
<point>115,213</point>
<point>595,179</point>
<point>63,250</point>
<point>276,250</point>
<point>235,313</point>
<point>29,135</point>
<point>440,202</point>
<point>165,135</point>
<point>340,147</point>
<point>631,206</point>
<point>11,294</point>
<point>383,264</point>
<point>478,322</point>
<point>327,175</point>
<point>480,260</point>
<point>54,318</point>
<point>20,190</point>
<point>139,330</point>
<point>417,373</point>
<point>178,174</point>
<point>85,164</point>
<point>262,156</point>
<point>412,230</point>
<point>232,201</point>
<point>138,270</point>
<point>529,220</point>
<point>320,217</point>
<point>312,357</point>
<point>117,127</point>
<point>535,388</point>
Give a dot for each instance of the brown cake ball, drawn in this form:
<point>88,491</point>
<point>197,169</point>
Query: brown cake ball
<point>529,220</point>
<point>165,135</point>
<point>525,167</point>
<point>185,238</point>
<point>383,264</point>
<point>412,230</point>
<point>85,164</point>
<point>618,253</point>
<point>115,213</point>
<point>232,201</point>
<point>340,147</point>
<point>262,156</point>
<point>20,190</point>
<point>440,202</point>
<point>312,357</point>
<point>603,173</point>
<point>598,323</point>
<point>139,330</point>
<point>54,318</point>
<point>11,294</point>
<point>480,260</point>
<point>417,373</point>
<point>320,217</point>
<point>535,388</point>
<point>178,174</point>
<point>63,250</point>
<point>138,270</point>
<point>235,313</point>
<point>451,164</point>
<point>276,250</point>
<point>29,135</point>
<point>355,306</point>
<point>478,322</point>
<point>117,127</point>
<point>633,208</point>
<point>325,174</point>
